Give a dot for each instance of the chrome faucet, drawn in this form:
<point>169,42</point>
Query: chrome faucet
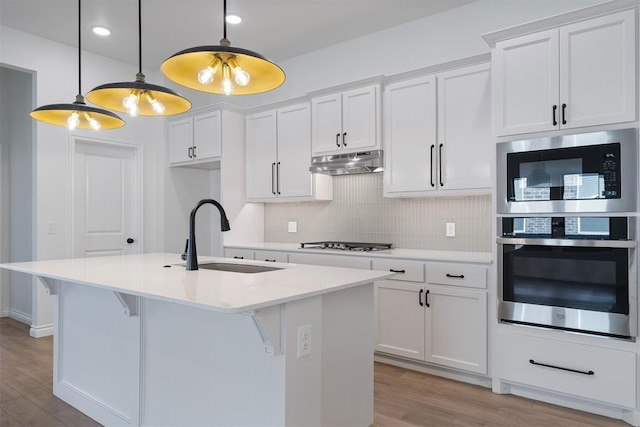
<point>191,253</point>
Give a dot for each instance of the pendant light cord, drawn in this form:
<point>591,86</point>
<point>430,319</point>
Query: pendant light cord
<point>79,49</point>
<point>140,36</point>
<point>224,18</point>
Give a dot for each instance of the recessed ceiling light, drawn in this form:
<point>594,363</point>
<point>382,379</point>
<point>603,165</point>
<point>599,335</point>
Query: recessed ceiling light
<point>233,19</point>
<point>100,30</point>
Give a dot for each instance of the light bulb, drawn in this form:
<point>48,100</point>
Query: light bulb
<point>156,105</point>
<point>206,75</point>
<point>227,86</point>
<point>73,121</point>
<point>130,102</point>
<point>242,77</point>
<point>93,123</point>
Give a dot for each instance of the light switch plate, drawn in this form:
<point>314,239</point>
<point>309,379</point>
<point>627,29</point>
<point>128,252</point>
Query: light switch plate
<point>293,227</point>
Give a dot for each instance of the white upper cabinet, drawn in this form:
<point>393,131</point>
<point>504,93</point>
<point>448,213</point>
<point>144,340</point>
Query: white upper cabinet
<point>438,144</point>
<point>279,156</point>
<point>195,139</point>
<point>582,74</point>
<point>346,122</point>
<point>410,135</point>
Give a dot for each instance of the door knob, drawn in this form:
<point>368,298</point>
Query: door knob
<point>130,240</point>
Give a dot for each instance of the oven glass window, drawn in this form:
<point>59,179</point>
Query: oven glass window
<point>577,227</point>
<point>590,278</point>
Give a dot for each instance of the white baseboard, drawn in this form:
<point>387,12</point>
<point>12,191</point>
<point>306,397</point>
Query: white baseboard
<point>4,313</point>
<point>20,316</point>
<point>41,331</point>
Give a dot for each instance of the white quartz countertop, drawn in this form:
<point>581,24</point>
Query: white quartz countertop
<point>162,276</point>
<point>414,254</point>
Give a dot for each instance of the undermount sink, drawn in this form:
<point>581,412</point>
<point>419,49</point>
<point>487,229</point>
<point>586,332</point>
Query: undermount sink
<point>236,268</point>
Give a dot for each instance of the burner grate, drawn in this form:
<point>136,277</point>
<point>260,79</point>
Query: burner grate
<point>346,246</point>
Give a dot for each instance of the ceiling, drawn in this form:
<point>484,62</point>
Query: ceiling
<point>278,29</point>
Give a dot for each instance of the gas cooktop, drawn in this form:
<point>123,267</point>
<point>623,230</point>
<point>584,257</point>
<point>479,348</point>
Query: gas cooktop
<point>347,246</point>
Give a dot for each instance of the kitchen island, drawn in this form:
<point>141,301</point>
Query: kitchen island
<point>138,340</point>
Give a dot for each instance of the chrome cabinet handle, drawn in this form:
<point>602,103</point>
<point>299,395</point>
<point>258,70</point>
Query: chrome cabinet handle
<point>533,362</point>
<point>431,164</point>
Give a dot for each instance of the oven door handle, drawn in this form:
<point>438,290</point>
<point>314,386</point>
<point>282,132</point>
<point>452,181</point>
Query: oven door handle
<point>580,243</point>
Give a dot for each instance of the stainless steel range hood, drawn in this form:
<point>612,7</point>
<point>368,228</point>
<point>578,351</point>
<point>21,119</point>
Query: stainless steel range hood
<point>345,164</point>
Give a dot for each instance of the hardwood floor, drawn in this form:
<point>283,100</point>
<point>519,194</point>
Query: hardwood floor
<point>402,397</point>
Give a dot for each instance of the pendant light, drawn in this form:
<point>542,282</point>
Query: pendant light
<point>139,97</point>
<point>211,68</point>
<point>77,115</point>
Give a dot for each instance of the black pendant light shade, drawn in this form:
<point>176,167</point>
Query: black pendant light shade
<point>139,97</point>
<point>77,115</point>
<point>222,69</point>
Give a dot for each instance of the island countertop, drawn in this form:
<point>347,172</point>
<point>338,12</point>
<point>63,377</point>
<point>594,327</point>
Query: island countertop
<point>163,276</point>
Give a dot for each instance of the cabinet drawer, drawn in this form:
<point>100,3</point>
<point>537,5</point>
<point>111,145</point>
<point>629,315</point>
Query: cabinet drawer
<point>409,271</point>
<point>604,375</point>
<point>271,256</point>
<point>330,260</point>
<point>457,275</point>
<point>238,253</point>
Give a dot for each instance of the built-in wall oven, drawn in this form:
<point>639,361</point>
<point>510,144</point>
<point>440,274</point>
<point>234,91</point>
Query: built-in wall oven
<point>571,273</point>
<point>567,250</point>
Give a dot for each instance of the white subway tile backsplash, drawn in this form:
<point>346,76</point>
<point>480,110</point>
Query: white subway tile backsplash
<point>360,213</point>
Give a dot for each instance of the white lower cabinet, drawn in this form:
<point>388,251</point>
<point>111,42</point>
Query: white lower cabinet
<point>238,253</point>
<point>444,325</point>
<point>596,373</point>
<point>271,256</point>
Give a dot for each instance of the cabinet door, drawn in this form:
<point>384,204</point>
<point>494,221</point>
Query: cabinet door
<point>465,138</point>
<point>207,135</point>
<point>360,119</point>
<point>271,256</point>
<point>399,327</point>
<point>326,124</point>
<point>180,137</point>
<point>526,84</point>
<point>456,328</point>
<point>294,151</point>
<point>597,71</point>
<point>261,155</point>
<point>410,136</point>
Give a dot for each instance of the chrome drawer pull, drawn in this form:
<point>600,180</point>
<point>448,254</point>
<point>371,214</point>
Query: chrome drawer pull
<point>454,276</point>
<point>533,362</point>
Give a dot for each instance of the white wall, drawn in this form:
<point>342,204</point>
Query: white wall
<point>17,191</point>
<point>444,37</point>
<point>55,67</point>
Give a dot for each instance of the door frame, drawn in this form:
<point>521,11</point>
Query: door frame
<point>137,208</point>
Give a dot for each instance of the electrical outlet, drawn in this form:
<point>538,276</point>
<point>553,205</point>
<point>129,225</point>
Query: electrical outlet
<point>304,341</point>
<point>51,227</point>
<point>451,229</point>
<point>293,227</point>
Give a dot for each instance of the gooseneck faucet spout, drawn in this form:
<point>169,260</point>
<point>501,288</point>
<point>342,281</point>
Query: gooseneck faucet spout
<point>192,255</point>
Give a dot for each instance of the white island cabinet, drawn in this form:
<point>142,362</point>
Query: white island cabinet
<point>140,341</point>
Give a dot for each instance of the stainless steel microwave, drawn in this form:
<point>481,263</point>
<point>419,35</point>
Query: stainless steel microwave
<point>585,173</point>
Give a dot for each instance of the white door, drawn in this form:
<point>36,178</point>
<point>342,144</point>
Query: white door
<point>326,124</point>
<point>465,138</point>
<point>399,327</point>
<point>294,151</point>
<point>360,117</point>
<point>526,78</point>
<point>261,155</point>
<point>597,71</point>
<point>106,199</point>
<point>456,328</point>
<point>410,136</point>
